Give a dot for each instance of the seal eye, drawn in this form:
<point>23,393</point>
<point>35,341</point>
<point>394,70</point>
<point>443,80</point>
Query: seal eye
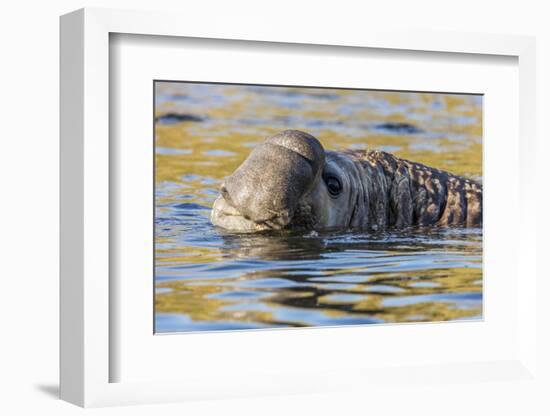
<point>334,185</point>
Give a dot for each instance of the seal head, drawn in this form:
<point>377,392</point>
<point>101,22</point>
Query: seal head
<point>266,190</point>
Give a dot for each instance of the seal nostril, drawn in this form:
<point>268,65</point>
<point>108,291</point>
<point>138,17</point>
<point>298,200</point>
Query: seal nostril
<point>223,191</point>
<point>225,195</point>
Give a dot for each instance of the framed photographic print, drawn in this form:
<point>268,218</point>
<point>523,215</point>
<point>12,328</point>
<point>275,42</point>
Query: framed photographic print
<point>270,212</point>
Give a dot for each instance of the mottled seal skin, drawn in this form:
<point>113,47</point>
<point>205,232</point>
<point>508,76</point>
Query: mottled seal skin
<point>291,182</point>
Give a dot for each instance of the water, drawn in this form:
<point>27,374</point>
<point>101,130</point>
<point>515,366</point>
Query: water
<point>209,279</point>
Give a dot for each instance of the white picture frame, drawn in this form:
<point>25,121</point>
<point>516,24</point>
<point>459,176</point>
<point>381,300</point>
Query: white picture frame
<point>87,356</point>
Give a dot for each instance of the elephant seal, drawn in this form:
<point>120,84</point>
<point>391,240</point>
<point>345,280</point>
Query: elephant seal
<point>291,182</point>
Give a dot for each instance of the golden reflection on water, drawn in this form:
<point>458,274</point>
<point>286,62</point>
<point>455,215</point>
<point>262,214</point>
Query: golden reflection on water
<point>206,279</point>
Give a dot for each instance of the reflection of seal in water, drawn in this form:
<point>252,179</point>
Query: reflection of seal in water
<point>290,181</point>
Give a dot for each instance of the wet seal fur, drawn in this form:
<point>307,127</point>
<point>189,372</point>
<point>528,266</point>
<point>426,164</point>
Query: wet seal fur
<point>290,181</point>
